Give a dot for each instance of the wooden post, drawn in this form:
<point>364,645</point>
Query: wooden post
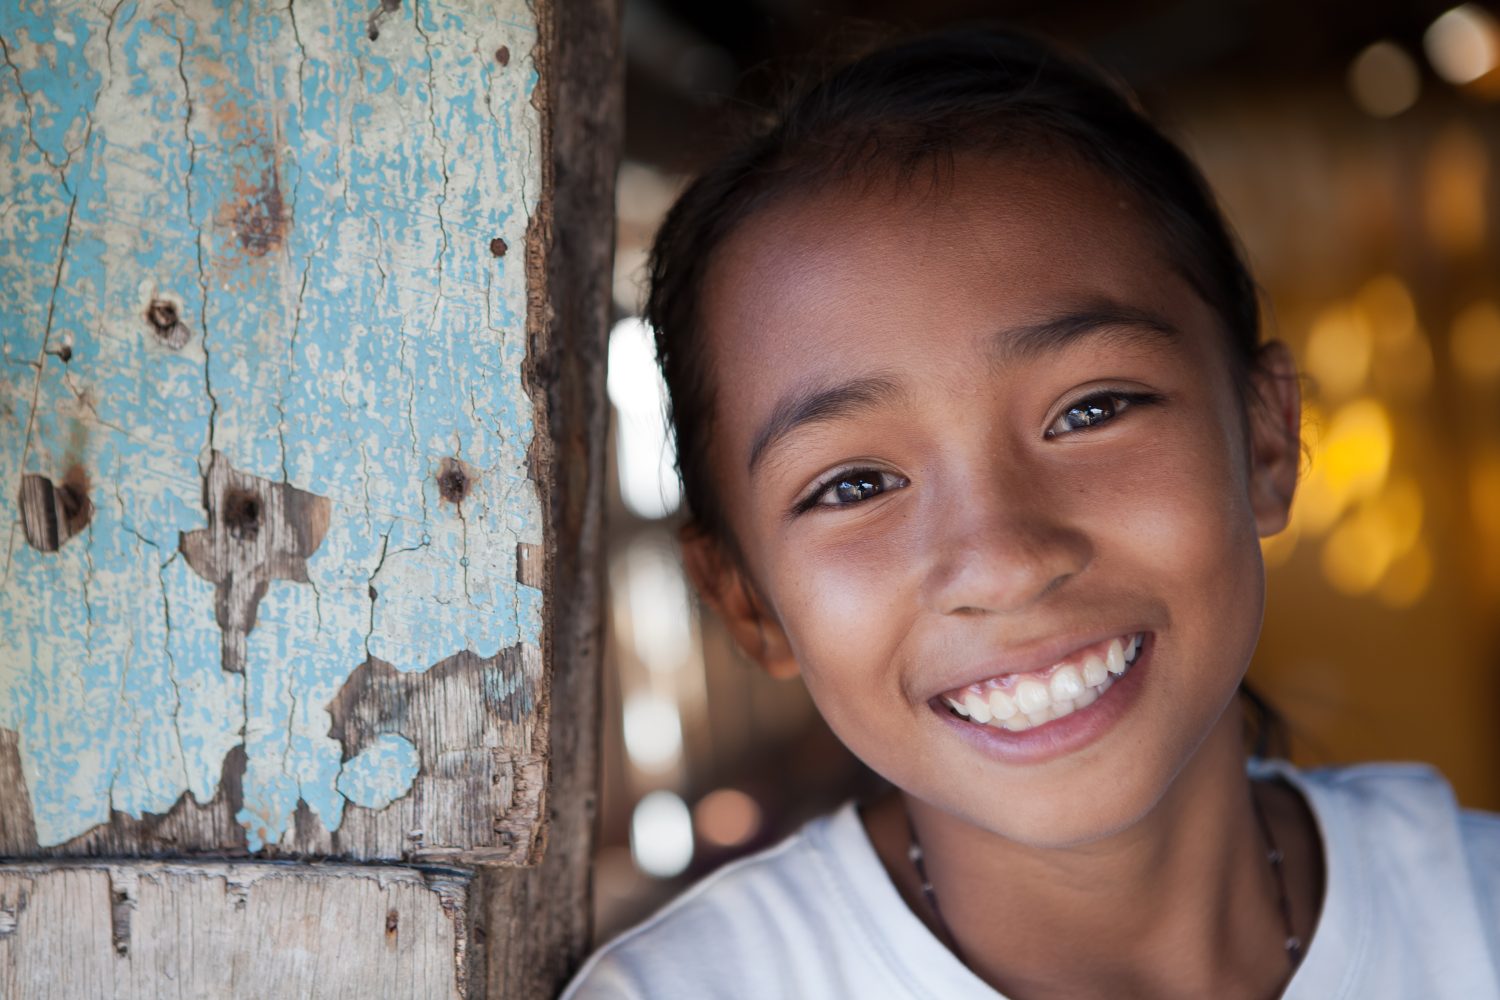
<point>301,424</point>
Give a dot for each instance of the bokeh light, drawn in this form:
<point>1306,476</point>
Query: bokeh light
<point>727,817</point>
<point>1455,192</point>
<point>1463,44</point>
<point>661,835</point>
<point>1350,461</point>
<point>1475,343</point>
<point>1383,80</point>
<point>653,732</point>
<point>1339,348</point>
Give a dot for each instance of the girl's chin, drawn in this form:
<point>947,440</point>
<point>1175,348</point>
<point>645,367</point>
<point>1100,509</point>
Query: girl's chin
<point>1071,807</point>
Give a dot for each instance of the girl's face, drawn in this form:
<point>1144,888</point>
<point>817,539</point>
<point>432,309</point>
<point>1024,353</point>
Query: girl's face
<point>967,434</point>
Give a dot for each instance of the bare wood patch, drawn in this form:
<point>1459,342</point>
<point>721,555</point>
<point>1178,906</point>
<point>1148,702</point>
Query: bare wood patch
<point>52,514</point>
<point>138,930</point>
<point>478,794</point>
<point>257,531</point>
<point>17,828</point>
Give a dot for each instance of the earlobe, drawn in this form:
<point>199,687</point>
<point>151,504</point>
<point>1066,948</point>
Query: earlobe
<point>1275,437</point>
<point>726,588</point>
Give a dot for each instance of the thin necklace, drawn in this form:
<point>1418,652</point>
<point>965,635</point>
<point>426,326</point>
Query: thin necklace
<point>1273,855</point>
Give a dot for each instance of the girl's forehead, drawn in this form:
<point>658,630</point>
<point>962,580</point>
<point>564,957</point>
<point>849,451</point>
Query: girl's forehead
<point>991,242</point>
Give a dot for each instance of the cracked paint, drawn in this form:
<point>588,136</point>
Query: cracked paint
<point>317,208</point>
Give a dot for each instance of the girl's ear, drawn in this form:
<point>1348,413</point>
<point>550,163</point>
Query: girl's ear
<point>1275,437</point>
<point>727,589</point>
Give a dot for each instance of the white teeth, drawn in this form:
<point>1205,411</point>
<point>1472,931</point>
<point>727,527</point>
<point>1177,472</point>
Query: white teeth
<point>1066,684</point>
<point>1032,696</point>
<point>1116,658</point>
<point>1034,700</point>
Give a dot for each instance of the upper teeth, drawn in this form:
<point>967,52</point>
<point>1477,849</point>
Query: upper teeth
<point>1020,701</point>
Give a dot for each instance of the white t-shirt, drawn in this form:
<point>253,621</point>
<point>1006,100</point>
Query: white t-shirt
<point>1411,910</point>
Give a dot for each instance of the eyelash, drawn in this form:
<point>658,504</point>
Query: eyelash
<point>1112,396</point>
<point>865,474</point>
<point>856,473</point>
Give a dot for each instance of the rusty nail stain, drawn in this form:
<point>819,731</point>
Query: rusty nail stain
<point>498,247</point>
<point>502,55</point>
<point>453,482</point>
<point>162,315</point>
<point>392,919</point>
<point>242,511</point>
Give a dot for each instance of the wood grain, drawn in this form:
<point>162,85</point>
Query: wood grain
<point>122,931</point>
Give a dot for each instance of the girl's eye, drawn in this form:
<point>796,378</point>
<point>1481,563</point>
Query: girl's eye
<point>1096,410</point>
<point>855,486</point>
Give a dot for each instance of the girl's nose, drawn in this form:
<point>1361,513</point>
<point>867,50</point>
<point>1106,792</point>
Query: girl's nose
<point>1004,544</point>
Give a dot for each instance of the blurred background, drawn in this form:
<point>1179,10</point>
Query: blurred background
<point>1354,149</point>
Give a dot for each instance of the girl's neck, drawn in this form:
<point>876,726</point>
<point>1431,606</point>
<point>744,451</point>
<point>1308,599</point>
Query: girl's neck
<point>1182,903</point>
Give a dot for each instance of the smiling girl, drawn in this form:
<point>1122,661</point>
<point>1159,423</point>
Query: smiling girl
<point>980,439</point>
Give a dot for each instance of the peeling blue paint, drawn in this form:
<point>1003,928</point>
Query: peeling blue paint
<point>318,209</point>
<point>381,773</point>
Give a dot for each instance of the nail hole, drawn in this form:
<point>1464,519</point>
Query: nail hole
<point>162,316</point>
<point>242,513</point>
<point>453,481</point>
<point>498,247</point>
<point>502,55</point>
<point>392,921</point>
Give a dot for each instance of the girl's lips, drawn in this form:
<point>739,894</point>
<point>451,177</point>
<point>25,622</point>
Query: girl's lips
<point>1058,736</point>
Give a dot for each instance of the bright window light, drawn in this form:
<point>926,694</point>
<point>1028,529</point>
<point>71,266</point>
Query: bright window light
<point>644,446</point>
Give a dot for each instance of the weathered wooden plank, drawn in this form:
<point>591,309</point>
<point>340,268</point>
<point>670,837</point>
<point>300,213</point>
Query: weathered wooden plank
<point>534,955</point>
<point>268,475</point>
<point>113,931</point>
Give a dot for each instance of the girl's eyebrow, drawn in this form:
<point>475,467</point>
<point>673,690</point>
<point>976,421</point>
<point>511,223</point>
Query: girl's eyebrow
<point>817,402</point>
<point>812,403</point>
<point>1126,323</point>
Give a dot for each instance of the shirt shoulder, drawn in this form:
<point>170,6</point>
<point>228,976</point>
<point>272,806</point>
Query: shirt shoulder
<point>1412,886</point>
<point>755,928</point>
